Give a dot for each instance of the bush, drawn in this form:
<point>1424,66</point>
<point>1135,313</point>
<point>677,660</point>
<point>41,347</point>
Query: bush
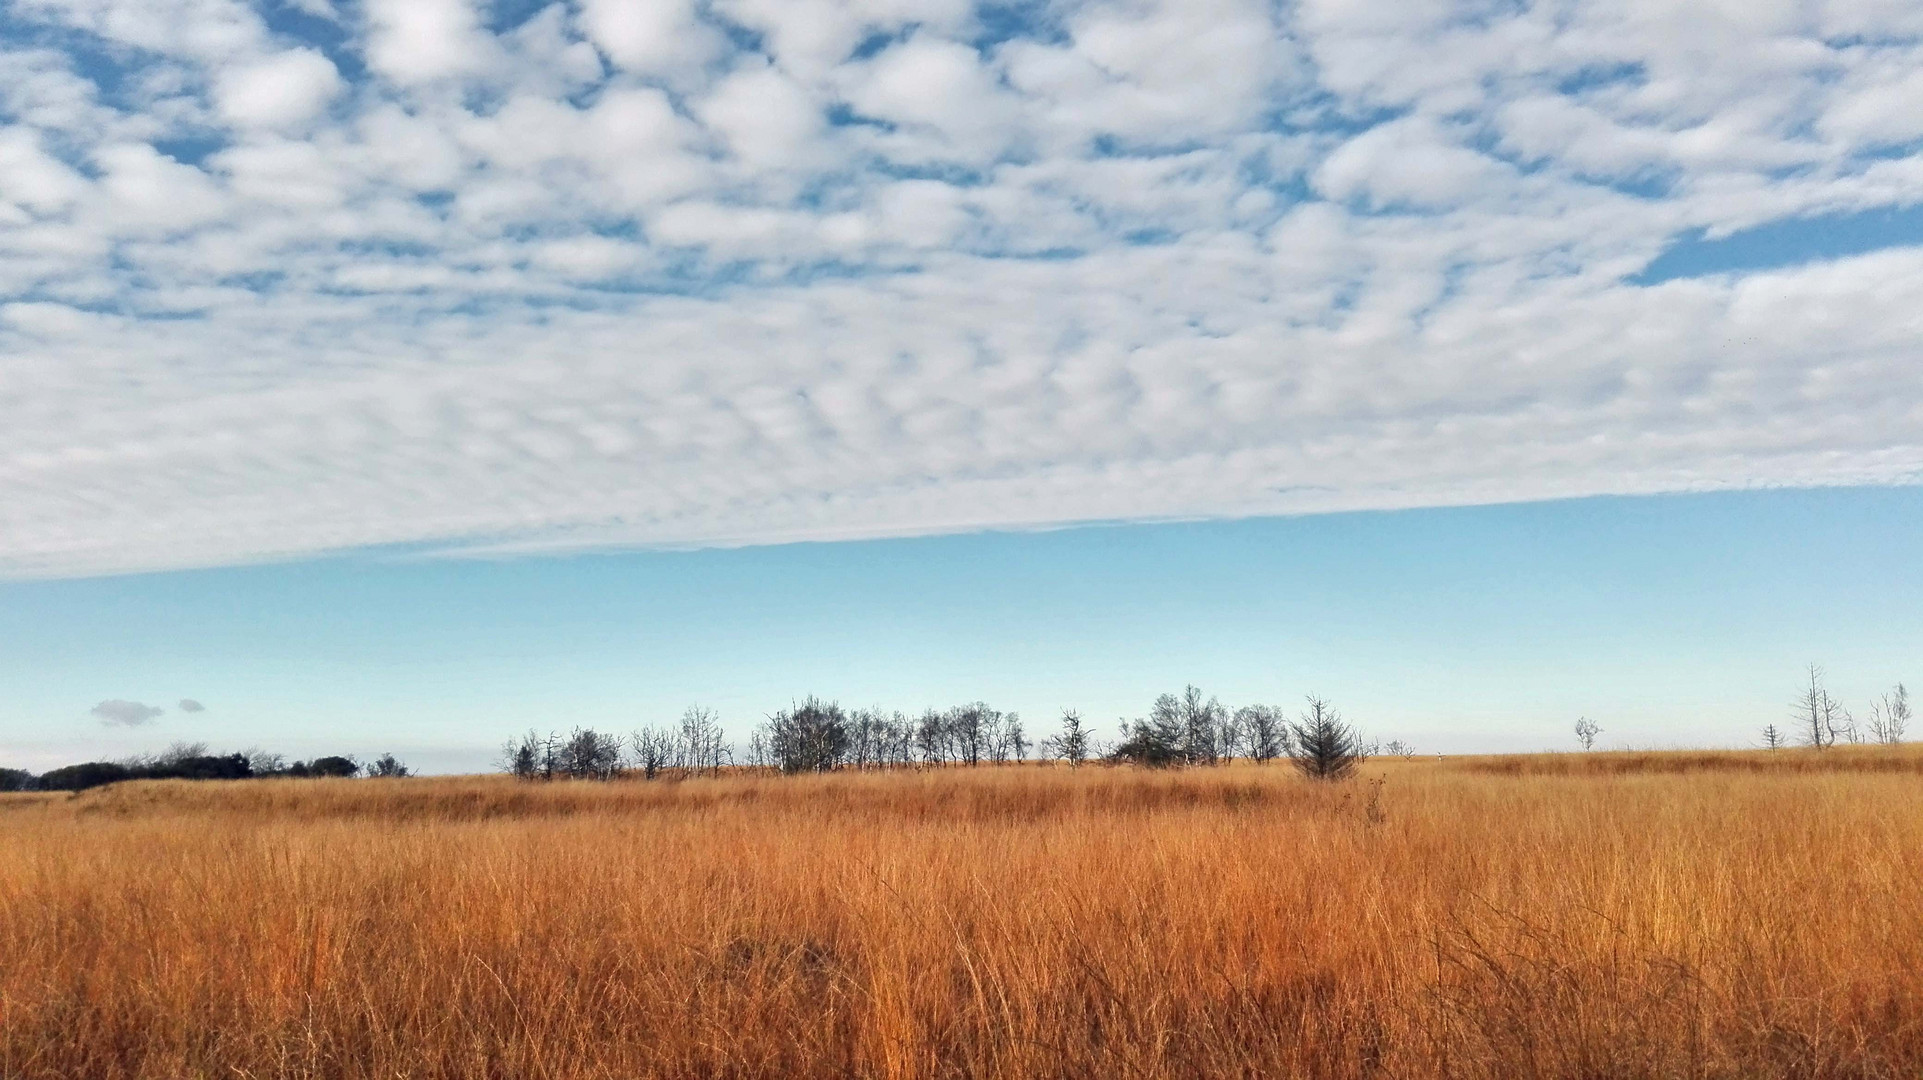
<point>91,774</point>
<point>16,780</point>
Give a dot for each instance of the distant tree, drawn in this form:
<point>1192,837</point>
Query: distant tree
<point>334,766</point>
<point>587,754</point>
<point>1773,737</point>
<point>198,767</point>
<point>1586,732</point>
<point>1013,742</point>
<point>1325,747</point>
<point>654,751</point>
<point>1071,742</point>
<point>809,737</point>
<point>387,766</point>
<point>1819,717</point>
<point>1206,735</point>
<point>703,748</point>
<point>933,739</point>
<point>90,774</point>
<point>1155,742</point>
<point>16,780</point>
<point>1890,715</point>
<point>528,757</point>
<point>1401,749</point>
<point>1263,732</point>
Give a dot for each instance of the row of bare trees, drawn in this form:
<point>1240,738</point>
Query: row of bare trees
<point>1818,719</point>
<point>820,736</point>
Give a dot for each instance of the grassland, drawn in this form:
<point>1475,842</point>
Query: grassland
<point>1706,915</point>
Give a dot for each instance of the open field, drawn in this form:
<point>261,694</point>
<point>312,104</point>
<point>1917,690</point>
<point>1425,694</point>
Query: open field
<point>1679,915</point>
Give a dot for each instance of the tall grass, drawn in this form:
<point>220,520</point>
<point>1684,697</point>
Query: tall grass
<point>1570,916</point>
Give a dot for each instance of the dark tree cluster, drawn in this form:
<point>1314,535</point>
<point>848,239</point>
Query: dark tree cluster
<point>1191,729</point>
<point>191,761</point>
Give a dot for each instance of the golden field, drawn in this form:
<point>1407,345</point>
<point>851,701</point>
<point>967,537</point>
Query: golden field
<point>1607,915</point>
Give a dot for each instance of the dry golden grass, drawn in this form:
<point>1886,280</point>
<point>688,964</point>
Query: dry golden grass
<point>1732,915</point>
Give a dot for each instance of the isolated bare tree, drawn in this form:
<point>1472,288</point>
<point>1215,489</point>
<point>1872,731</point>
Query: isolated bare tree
<point>1325,747</point>
<point>1071,743</point>
<point>1586,732</point>
<point>1773,738</point>
<point>1890,715</point>
<point>1819,717</point>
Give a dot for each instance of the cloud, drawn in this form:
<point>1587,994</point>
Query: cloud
<point>189,705</point>
<point>117,713</point>
<point>278,91</point>
<point>747,271</point>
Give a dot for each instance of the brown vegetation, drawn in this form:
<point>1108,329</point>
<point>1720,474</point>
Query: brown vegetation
<point>1605,915</point>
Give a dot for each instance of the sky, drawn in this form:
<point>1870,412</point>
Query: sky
<point>306,299</point>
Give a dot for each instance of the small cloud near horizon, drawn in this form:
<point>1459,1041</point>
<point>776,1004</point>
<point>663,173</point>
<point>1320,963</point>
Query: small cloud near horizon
<point>189,705</point>
<point>118,713</point>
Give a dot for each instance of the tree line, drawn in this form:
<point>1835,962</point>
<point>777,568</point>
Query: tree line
<point>192,761</point>
<point>816,735</point>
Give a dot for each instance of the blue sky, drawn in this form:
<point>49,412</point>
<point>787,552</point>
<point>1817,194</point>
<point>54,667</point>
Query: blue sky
<point>1670,620</point>
<point>287,283</point>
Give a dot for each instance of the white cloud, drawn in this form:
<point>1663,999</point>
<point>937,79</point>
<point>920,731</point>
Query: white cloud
<point>277,91</point>
<point>659,37</point>
<point>417,41</point>
<point>189,705</point>
<point>878,274</point>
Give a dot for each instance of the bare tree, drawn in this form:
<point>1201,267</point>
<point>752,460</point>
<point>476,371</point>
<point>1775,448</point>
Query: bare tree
<point>1325,747</point>
<point>701,745</point>
<point>655,751</point>
<point>387,765</point>
<point>529,757</point>
<point>1401,749</point>
<point>1586,732</point>
<point>1819,716</point>
<point>809,737</point>
<point>587,754</point>
<point>1773,738</point>
<point>1890,715</point>
<point>1203,726</point>
<point>1071,743</point>
<point>1263,732</point>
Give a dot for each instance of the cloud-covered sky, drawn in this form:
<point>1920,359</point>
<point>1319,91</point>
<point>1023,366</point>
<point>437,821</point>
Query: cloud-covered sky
<point>304,276</point>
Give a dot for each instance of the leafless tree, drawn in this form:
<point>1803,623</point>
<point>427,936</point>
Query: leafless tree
<point>387,765</point>
<point>1820,717</point>
<point>529,757</point>
<point>1890,715</point>
<point>1325,747</point>
<point>1263,731</point>
<point>655,750</point>
<point>1204,724</point>
<point>1398,748</point>
<point>1586,732</point>
<point>1773,737</point>
<point>701,747</point>
<point>1071,743</point>
<point>587,754</point>
<point>809,737</point>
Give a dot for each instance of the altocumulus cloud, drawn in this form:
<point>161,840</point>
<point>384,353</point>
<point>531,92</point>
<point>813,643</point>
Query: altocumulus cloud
<point>294,277</point>
<point>189,705</point>
<point>118,713</point>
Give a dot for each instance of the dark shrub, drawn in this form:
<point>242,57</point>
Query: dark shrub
<point>16,780</point>
<point>80,777</point>
<point>202,767</point>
